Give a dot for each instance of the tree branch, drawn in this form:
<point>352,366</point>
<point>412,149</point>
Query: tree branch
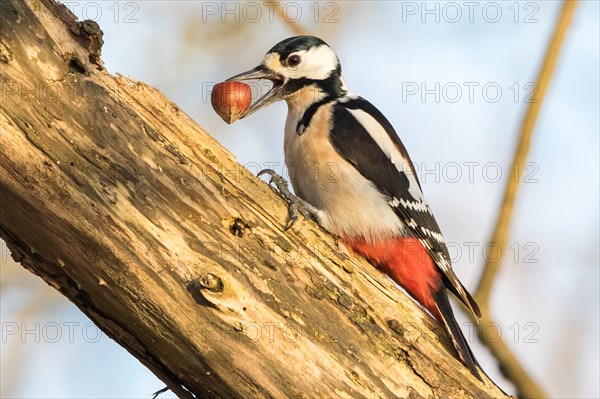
<point>117,199</point>
<point>295,27</point>
<point>512,368</point>
<point>500,235</point>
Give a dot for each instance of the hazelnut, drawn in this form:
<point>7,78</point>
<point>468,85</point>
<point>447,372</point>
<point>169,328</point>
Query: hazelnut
<point>231,100</point>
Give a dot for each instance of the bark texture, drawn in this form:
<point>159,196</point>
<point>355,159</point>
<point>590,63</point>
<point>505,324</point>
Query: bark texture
<point>116,198</point>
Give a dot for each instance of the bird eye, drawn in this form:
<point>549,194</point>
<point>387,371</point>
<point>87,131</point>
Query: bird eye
<point>293,60</point>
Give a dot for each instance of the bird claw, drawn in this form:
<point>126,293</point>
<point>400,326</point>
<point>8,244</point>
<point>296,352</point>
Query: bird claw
<point>295,204</point>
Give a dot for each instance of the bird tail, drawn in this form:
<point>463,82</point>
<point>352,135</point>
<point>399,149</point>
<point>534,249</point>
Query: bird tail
<point>453,329</point>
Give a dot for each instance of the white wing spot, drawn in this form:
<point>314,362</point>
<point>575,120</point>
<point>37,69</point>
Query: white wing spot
<point>394,203</point>
<point>416,205</point>
<point>437,236</point>
<point>383,140</point>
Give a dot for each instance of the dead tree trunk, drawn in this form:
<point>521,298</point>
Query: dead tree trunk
<point>120,201</point>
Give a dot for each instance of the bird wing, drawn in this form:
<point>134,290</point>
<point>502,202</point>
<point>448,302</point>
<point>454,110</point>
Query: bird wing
<point>365,138</point>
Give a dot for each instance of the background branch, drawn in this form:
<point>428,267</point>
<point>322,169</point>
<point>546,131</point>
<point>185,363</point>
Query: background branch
<point>512,368</point>
<point>296,28</point>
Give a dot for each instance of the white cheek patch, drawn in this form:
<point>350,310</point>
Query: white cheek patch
<point>316,63</point>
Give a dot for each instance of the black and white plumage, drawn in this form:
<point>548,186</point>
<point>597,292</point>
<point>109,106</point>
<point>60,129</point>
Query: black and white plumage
<point>345,159</point>
<point>367,139</point>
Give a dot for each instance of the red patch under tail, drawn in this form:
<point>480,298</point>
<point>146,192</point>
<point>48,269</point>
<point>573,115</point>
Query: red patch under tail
<point>408,263</point>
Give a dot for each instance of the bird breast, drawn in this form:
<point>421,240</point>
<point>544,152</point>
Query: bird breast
<point>352,206</point>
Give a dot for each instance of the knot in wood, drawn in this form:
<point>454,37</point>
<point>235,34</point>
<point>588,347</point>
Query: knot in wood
<point>395,326</point>
<point>238,227</point>
<point>91,27</point>
<point>211,282</point>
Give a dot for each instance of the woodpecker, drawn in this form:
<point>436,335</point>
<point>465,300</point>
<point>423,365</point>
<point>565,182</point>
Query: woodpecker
<point>353,175</point>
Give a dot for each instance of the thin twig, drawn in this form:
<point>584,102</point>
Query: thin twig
<point>500,236</point>
<point>295,27</point>
<point>510,365</point>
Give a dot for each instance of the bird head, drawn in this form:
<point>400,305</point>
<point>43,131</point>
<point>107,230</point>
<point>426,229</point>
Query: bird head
<point>302,69</point>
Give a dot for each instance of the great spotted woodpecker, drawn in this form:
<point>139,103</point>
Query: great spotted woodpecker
<point>373,200</point>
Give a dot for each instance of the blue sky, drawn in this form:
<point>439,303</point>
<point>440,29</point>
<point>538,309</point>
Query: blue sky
<point>455,90</point>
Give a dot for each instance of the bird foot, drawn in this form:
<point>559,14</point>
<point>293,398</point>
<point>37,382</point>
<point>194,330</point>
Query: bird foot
<point>295,204</point>
<point>159,392</point>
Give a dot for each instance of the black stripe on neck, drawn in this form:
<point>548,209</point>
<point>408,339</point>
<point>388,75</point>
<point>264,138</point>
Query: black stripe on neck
<point>331,86</point>
<point>304,122</point>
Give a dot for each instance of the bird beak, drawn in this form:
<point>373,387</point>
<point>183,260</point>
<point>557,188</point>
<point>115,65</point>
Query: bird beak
<point>262,73</point>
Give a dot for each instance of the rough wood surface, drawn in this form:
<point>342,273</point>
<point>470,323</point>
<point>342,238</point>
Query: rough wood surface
<point>121,202</point>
